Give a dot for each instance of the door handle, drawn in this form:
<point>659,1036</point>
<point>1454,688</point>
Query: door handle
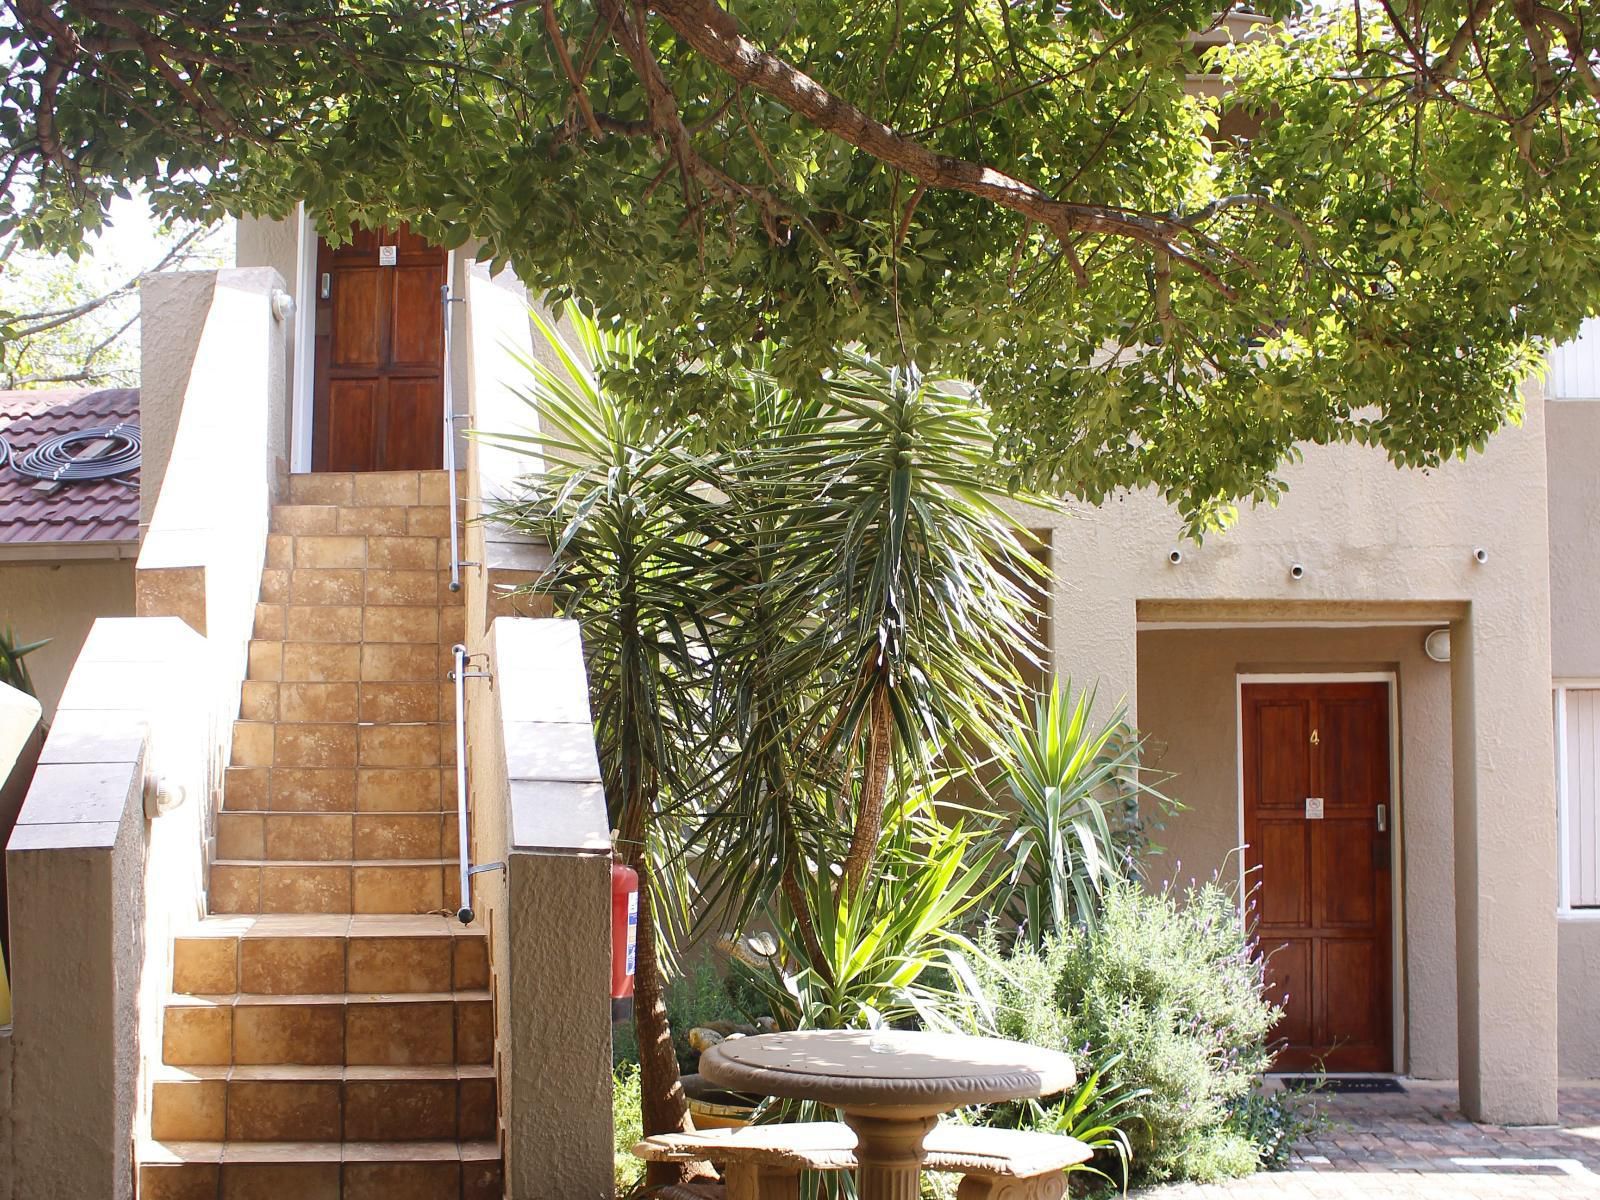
<point>326,288</point>
<point>1383,818</point>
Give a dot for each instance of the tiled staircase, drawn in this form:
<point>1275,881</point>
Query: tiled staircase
<point>330,1034</point>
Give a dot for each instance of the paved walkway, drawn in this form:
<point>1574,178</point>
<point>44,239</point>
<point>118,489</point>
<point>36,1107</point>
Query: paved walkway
<point>1419,1147</point>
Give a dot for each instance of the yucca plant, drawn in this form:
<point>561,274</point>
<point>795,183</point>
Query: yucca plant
<point>891,949</point>
<point>623,509</point>
<point>780,623</point>
<point>1077,782</point>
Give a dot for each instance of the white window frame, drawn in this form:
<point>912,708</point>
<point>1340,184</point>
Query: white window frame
<point>1564,906</point>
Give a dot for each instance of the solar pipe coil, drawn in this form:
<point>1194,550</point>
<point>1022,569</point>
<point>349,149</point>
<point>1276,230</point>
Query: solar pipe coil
<point>53,461</point>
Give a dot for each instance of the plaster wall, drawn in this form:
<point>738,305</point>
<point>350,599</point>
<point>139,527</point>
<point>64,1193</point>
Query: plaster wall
<point>1573,446</point>
<point>60,601</point>
<point>88,974</point>
<point>538,809</point>
<point>1383,545</point>
<point>172,313</point>
<point>1188,680</point>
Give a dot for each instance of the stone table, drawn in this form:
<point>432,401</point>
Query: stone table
<point>891,1086</point>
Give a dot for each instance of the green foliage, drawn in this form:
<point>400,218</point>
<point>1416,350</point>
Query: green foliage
<point>891,952</point>
<point>1191,291</point>
<point>1274,1120</point>
<point>698,996</point>
<point>780,628</point>
<point>1170,988</point>
<point>1077,785</point>
<point>13,671</point>
<point>66,319</point>
<point>626,1127</point>
<point>1097,1113</point>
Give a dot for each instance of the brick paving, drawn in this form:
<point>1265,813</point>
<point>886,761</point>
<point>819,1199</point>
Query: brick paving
<point>1418,1146</point>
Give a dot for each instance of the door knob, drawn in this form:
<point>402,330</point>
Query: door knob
<point>1383,818</point>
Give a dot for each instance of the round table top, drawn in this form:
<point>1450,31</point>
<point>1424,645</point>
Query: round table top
<point>905,1070</point>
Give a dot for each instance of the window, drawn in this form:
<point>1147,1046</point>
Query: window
<point>1575,366</point>
<point>1578,794</point>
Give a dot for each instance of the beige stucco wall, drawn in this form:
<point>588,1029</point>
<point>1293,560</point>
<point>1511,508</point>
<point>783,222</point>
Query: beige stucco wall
<point>60,601</point>
<point>1189,711</point>
<point>1573,441</point>
<point>1382,545</point>
<point>172,310</point>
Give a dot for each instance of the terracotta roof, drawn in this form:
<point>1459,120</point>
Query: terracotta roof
<point>99,510</point>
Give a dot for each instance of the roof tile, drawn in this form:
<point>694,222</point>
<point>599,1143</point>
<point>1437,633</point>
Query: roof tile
<point>100,510</point>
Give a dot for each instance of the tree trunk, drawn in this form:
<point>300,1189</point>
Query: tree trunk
<point>874,785</point>
<point>665,1107</point>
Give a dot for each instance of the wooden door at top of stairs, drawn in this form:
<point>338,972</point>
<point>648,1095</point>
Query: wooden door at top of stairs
<point>378,400</point>
<point>1316,822</point>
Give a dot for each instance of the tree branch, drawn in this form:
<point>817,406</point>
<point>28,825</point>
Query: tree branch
<point>709,29</point>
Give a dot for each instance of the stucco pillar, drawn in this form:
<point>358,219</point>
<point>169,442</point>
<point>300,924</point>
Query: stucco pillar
<point>1505,847</point>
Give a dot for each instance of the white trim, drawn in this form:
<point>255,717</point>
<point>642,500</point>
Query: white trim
<point>1272,623</point>
<point>1397,978</point>
<point>1565,911</point>
<point>303,386</point>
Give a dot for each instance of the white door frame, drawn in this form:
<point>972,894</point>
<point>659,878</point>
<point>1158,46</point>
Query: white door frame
<point>1397,974</point>
<point>303,385</point>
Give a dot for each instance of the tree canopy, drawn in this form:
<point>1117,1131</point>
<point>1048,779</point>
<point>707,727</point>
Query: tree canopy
<point>1165,255</point>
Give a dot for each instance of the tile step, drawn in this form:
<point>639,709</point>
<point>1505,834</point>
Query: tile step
<point>245,835</point>
<point>323,1103</point>
<point>339,789</point>
<point>320,1170</point>
<point>272,954</point>
<point>336,1029</point>
<point>356,886</point>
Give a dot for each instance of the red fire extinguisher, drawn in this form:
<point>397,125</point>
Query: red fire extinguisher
<point>624,938</point>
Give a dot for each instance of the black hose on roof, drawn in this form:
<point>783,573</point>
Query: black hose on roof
<point>53,461</point>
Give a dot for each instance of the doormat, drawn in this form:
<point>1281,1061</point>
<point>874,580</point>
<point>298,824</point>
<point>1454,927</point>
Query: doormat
<point>1343,1084</point>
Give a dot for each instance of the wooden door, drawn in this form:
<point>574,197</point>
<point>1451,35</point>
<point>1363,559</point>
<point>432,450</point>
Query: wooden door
<point>379,391</point>
<point>1317,821</point>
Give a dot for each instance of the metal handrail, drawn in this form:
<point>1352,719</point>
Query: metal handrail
<point>449,422</point>
<point>459,676</point>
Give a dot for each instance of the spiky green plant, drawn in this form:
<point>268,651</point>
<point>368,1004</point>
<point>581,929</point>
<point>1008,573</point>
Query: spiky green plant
<point>1077,783</point>
<point>13,671</point>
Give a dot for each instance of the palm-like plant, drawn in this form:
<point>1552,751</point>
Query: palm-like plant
<point>889,950</point>
<point>887,614</point>
<point>621,507</point>
<point>778,627</point>
<point>1077,786</point>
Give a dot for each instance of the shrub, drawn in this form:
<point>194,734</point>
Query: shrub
<point>627,1126</point>
<point>697,997</point>
<point>1167,990</point>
